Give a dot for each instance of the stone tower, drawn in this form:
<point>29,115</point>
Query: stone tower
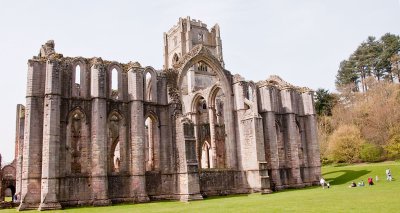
<point>181,38</point>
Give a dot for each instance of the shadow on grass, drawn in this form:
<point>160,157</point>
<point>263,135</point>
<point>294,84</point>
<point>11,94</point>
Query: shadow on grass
<point>347,176</point>
<point>215,197</point>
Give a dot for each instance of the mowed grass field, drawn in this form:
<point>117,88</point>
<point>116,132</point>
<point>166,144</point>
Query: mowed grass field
<point>384,196</point>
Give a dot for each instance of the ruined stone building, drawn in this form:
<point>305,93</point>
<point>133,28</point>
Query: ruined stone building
<point>99,132</point>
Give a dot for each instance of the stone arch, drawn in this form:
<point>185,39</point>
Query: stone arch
<point>213,63</point>
<point>116,93</point>
<point>217,114</point>
<point>194,102</point>
<point>200,118</point>
<point>116,142</point>
<point>224,82</point>
<point>10,187</point>
<point>152,141</point>
<point>7,180</point>
<point>81,89</point>
<point>78,142</point>
<point>150,84</point>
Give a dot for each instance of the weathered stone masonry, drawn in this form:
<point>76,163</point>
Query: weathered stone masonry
<point>99,132</point>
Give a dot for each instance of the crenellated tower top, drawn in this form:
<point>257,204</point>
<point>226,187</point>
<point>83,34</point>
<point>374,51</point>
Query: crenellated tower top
<point>188,33</point>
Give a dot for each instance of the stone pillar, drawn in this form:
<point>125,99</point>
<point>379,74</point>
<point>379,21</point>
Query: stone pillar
<point>211,118</point>
<point>51,138</point>
<point>138,168</point>
<point>313,152</point>
<point>99,135</point>
<point>165,144</point>
<point>267,102</point>
<point>291,136</point>
<point>187,168</point>
<point>19,142</point>
<point>32,152</point>
<point>271,147</point>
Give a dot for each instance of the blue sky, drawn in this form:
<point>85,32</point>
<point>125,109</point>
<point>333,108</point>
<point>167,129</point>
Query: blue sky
<point>303,41</point>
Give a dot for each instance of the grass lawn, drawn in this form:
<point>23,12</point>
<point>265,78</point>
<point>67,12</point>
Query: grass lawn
<point>382,197</point>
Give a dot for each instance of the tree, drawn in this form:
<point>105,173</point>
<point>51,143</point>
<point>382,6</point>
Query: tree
<point>347,75</point>
<point>345,144</point>
<point>372,58</point>
<point>371,152</point>
<point>395,65</point>
<point>393,145</point>
<point>390,47</point>
<point>324,103</point>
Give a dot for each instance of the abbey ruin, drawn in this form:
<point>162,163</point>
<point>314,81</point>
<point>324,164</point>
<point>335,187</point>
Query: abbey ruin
<point>96,132</point>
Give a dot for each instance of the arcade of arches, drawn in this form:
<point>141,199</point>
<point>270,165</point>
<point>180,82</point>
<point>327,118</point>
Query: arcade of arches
<point>96,132</point>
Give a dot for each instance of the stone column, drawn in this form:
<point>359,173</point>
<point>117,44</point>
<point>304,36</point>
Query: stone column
<point>138,168</point>
<point>271,147</point>
<point>51,138</point>
<point>19,140</point>
<point>32,151</point>
<point>165,144</point>
<point>211,118</point>
<point>187,166</point>
<point>314,162</point>
<point>99,135</point>
<point>291,136</point>
<point>267,106</point>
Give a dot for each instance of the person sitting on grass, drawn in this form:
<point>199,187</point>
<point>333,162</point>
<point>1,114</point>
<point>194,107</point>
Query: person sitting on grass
<point>370,181</point>
<point>361,183</point>
<point>353,184</point>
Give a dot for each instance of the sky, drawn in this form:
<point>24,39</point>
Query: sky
<point>302,41</point>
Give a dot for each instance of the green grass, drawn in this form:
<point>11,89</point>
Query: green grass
<point>382,197</point>
<point>7,199</point>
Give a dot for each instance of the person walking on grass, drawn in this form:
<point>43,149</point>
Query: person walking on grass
<point>388,175</point>
<point>322,182</point>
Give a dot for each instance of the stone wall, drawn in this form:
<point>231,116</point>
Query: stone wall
<point>91,141</point>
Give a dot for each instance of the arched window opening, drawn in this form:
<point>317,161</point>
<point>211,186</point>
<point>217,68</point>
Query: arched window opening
<point>76,81</point>
<point>202,105</point>
<point>114,84</point>
<point>148,86</point>
<point>205,155</point>
<point>201,66</point>
<point>150,136</point>
<point>250,93</point>
<point>175,59</point>
<point>200,37</point>
<point>77,75</point>
<point>114,142</point>
<point>117,158</point>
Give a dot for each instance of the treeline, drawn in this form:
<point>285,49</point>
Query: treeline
<point>372,58</point>
<point>361,123</point>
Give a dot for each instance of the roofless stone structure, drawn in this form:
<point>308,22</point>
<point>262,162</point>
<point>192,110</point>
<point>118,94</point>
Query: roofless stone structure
<point>99,132</point>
